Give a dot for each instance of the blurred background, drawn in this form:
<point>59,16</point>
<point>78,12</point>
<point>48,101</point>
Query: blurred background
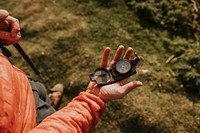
<point>65,40</point>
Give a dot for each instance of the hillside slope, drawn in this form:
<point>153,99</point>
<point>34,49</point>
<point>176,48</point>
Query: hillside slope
<point>65,40</point>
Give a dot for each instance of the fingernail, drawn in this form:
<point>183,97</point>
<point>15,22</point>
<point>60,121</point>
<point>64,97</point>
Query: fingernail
<point>122,46</point>
<point>139,83</point>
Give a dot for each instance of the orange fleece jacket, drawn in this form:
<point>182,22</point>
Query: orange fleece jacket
<point>18,112</point>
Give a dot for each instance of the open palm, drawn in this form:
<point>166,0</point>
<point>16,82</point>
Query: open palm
<point>115,90</point>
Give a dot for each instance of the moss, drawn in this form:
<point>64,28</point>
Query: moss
<point>65,40</point>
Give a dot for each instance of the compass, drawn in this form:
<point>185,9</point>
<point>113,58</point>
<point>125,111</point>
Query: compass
<point>123,69</point>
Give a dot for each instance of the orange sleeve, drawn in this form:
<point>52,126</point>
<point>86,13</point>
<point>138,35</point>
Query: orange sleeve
<point>80,115</point>
<point>17,105</point>
<point>6,95</point>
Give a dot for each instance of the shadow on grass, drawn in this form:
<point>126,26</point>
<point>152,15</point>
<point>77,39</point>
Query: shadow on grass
<point>118,118</point>
<point>137,124</point>
<point>51,68</point>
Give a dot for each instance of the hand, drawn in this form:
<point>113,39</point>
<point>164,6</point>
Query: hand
<point>12,35</point>
<point>115,90</point>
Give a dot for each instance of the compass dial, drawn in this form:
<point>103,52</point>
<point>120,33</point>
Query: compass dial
<point>123,66</point>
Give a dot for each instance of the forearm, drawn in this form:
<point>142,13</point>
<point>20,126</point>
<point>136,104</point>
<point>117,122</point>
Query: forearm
<point>80,115</point>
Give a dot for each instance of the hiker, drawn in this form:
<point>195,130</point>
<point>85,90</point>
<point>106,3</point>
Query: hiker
<point>18,110</point>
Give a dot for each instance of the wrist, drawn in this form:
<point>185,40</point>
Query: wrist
<point>95,92</point>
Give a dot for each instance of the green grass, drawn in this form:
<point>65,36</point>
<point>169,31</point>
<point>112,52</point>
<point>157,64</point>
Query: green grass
<point>65,40</point>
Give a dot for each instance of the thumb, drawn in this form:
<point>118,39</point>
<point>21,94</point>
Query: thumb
<point>131,85</point>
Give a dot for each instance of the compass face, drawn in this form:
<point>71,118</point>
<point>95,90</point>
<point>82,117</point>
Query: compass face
<point>123,66</point>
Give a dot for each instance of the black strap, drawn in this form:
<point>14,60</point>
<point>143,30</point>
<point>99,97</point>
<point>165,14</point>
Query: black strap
<point>26,58</point>
<point>5,51</point>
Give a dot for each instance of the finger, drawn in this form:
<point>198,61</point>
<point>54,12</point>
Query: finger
<point>14,24</point>
<point>91,85</point>
<point>131,85</point>
<point>104,60</point>
<point>4,35</point>
<point>3,14</point>
<point>128,53</point>
<point>117,55</point>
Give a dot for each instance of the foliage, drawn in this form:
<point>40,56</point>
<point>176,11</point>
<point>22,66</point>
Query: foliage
<point>188,70</point>
<point>180,17</point>
<point>182,21</point>
<point>65,40</point>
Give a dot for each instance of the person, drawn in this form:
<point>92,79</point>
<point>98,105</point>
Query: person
<point>45,104</point>
<point>17,103</point>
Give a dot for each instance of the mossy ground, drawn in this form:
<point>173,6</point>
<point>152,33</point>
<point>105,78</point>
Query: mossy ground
<point>65,40</point>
